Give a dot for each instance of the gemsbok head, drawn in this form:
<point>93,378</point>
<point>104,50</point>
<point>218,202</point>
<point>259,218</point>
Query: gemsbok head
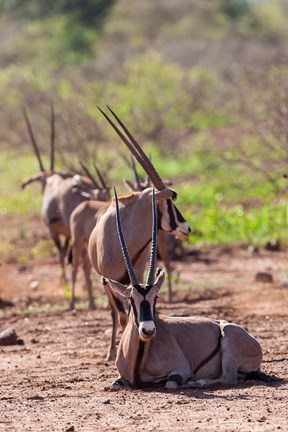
<point>170,218</point>
<point>179,352</point>
<point>42,175</point>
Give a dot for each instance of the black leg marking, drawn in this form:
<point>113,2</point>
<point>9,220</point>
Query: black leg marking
<point>175,378</point>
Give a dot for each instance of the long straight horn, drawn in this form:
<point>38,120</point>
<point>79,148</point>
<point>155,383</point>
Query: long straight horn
<point>52,137</point>
<point>33,140</point>
<point>146,162</point>
<point>136,176</point>
<point>136,150</point>
<point>101,178</point>
<point>153,256</point>
<point>125,253</point>
<point>89,175</point>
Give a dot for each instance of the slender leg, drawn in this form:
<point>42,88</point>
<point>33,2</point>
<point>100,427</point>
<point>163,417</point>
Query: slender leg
<point>118,314</point>
<point>75,264</point>
<point>87,274</point>
<point>62,250</point>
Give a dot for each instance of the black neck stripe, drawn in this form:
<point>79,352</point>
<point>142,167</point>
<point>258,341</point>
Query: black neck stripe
<point>137,376</point>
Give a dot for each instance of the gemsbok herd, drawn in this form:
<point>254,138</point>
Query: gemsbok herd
<point>115,237</point>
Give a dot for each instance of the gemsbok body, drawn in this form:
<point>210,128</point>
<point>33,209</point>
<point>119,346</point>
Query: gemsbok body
<point>179,352</point>
<point>82,222</point>
<point>135,208</point>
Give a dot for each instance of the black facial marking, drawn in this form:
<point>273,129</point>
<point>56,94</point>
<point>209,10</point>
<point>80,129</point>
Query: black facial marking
<point>174,196</point>
<point>134,312</point>
<point>145,311</point>
<point>172,220</point>
<point>159,218</point>
<point>143,291</point>
<point>119,304</point>
<point>179,215</point>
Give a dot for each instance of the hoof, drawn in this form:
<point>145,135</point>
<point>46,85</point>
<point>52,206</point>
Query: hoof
<point>196,384</point>
<point>92,306</point>
<point>111,356</point>
<point>119,384</point>
<point>171,385</point>
<point>115,386</point>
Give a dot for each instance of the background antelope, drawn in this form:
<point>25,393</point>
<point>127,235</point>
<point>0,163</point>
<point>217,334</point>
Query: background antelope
<point>179,352</point>
<point>82,221</point>
<point>59,192</point>
<point>103,247</point>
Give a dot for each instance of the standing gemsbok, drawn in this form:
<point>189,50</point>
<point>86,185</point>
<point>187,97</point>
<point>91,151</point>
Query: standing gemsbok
<point>59,193</point>
<point>103,247</point>
<point>176,351</point>
<point>165,240</point>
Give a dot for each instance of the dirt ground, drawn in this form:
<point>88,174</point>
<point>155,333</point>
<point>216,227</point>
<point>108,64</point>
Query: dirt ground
<point>59,379</point>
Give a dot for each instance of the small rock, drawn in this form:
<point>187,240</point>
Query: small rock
<point>273,245</point>
<point>264,277</point>
<point>70,429</point>
<point>22,268</point>
<point>5,303</point>
<point>9,337</point>
<point>34,284</point>
<point>106,401</point>
<point>253,249</point>
<point>36,398</point>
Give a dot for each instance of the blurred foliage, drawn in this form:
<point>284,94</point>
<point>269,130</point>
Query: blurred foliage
<point>202,85</point>
<point>235,8</point>
<point>64,29</point>
<point>89,13</point>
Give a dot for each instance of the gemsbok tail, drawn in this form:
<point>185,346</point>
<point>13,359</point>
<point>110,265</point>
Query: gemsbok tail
<point>262,376</point>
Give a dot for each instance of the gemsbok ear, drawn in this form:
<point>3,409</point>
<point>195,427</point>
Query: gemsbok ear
<point>129,185</point>
<point>165,194</point>
<point>160,277</point>
<point>118,287</point>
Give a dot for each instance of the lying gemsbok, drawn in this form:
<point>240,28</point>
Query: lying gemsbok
<point>103,247</point>
<point>179,352</point>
